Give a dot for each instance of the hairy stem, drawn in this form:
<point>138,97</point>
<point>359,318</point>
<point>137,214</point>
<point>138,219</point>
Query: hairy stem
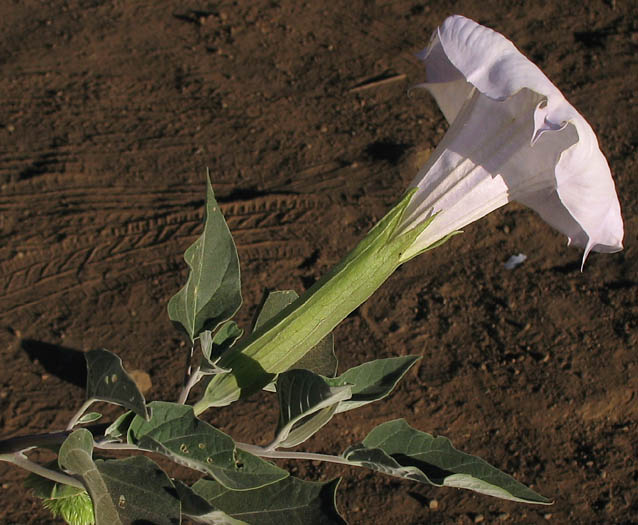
<point>22,461</point>
<point>107,445</point>
<point>193,379</point>
<point>20,443</point>
<point>283,454</point>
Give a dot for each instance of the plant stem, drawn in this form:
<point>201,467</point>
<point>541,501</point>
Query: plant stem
<point>115,446</point>
<point>76,417</point>
<point>193,379</point>
<point>20,443</point>
<point>187,374</point>
<point>22,461</point>
<point>283,454</point>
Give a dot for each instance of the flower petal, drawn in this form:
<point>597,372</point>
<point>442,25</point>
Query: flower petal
<point>576,194</point>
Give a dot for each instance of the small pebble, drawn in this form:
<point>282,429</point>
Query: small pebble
<point>142,380</point>
<point>434,504</point>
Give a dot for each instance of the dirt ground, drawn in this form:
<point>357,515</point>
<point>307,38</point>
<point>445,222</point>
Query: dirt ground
<point>110,112</point>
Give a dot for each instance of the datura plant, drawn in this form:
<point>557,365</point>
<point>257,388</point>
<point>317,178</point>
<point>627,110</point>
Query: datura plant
<point>512,136</point>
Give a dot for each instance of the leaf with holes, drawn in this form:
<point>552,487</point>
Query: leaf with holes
<point>108,381</point>
<point>123,491</point>
<point>397,449</point>
<point>141,491</point>
<point>306,403</point>
<point>372,381</point>
<point>212,293</point>
<point>291,501</point>
<point>321,359</point>
<point>174,431</point>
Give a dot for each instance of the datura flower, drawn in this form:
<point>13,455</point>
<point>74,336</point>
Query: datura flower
<point>512,136</point>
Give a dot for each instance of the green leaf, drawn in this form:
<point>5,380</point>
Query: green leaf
<point>76,455</point>
<point>225,337</point>
<point>212,293</point>
<point>206,343</point>
<point>108,381</point>
<point>119,427</point>
<point>174,431</point>
<point>123,491</point>
<point>321,359</point>
<point>372,381</point>
<point>89,417</point>
<point>291,501</point>
<point>199,510</point>
<point>397,449</point>
<point>140,490</point>
<point>214,346</point>
<point>306,403</point>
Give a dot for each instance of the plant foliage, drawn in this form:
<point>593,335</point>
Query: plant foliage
<point>238,482</point>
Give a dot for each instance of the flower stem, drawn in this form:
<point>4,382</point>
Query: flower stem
<point>284,339</point>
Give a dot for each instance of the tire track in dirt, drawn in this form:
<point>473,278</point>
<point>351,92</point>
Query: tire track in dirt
<point>111,237</point>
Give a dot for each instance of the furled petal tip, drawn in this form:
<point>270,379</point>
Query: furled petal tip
<point>512,136</point>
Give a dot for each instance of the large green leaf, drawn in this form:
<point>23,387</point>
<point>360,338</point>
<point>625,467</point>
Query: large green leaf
<point>123,491</point>
<point>108,381</point>
<point>372,381</point>
<point>141,491</point>
<point>306,403</point>
<point>291,501</point>
<point>212,293</point>
<point>321,358</point>
<point>397,449</point>
<point>174,431</point>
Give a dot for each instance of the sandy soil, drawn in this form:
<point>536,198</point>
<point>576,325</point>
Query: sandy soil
<point>111,111</point>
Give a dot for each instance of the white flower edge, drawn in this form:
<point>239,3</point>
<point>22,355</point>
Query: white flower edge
<point>582,203</point>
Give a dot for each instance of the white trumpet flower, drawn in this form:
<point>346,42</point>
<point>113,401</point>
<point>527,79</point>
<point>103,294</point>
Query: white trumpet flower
<point>512,136</point>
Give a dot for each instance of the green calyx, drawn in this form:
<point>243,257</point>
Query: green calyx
<point>288,336</point>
